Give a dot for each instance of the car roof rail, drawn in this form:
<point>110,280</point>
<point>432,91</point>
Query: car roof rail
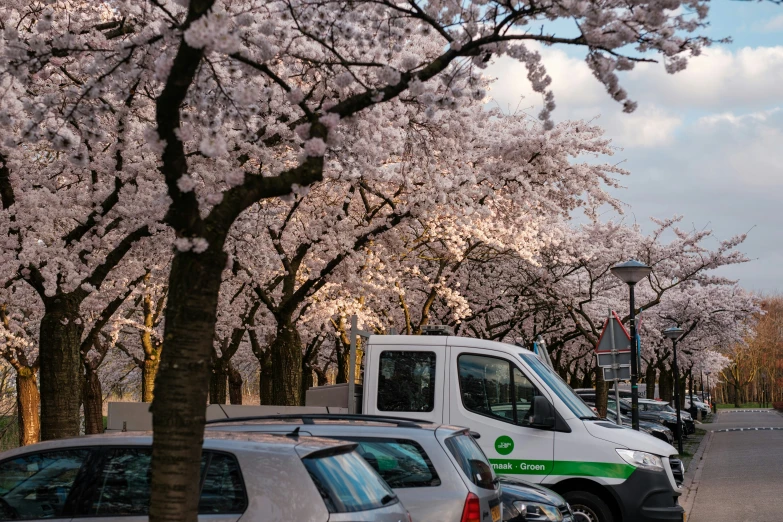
<point>308,418</point>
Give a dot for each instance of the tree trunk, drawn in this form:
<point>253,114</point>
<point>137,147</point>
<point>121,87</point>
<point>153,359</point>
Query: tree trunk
<point>286,358</point>
<point>148,372</point>
<point>601,392</point>
<point>342,354</point>
<point>181,385</point>
<point>93,402</point>
<point>61,368</point>
<point>649,381</point>
<point>737,394</point>
<point>665,385</point>
<point>234,385</point>
<point>307,382</point>
<point>265,382</point>
<point>587,379</point>
<point>217,382</point>
<point>27,403</point>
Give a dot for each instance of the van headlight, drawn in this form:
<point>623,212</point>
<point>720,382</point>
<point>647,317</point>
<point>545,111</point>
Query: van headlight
<point>535,511</point>
<point>641,459</point>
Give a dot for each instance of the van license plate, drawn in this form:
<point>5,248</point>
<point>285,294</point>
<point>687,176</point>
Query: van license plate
<point>495,513</point>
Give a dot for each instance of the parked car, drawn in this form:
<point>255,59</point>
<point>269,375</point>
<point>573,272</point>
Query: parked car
<point>439,472</point>
<point>698,405</point>
<point>524,501</point>
<point>106,478</point>
<point>654,414</point>
<point>659,408</point>
<point>656,429</point>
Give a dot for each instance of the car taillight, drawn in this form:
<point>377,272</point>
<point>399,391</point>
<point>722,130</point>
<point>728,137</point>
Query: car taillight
<point>410,518</point>
<point>472,510</point>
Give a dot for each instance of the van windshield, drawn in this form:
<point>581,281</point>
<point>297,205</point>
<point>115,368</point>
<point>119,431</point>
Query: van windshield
<point>558,386</point>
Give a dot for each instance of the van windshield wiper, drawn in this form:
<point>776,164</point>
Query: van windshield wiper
<point>590,417</point>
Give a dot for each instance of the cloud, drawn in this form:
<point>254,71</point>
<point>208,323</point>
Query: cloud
<point>704,143</point>
<point>580,96</point>
<point>773,26</point>
<point>746,79</point>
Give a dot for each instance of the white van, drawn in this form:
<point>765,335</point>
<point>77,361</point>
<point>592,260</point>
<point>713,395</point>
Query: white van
<point>529,422</point>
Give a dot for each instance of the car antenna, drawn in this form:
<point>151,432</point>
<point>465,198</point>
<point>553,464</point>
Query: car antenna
<point>294,433</point>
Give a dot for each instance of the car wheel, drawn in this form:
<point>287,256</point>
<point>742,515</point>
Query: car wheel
<point>588,507</point>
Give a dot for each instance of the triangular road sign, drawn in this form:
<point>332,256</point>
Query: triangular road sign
<point>622,340</point>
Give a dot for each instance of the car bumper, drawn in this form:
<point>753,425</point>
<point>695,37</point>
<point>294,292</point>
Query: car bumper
<point>647,496</point>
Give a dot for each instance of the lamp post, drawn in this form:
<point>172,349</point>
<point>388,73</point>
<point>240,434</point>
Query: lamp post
<point>630,273</point>
<point>674,333</point>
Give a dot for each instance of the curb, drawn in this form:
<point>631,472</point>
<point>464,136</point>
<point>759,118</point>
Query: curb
<point>693,476</point>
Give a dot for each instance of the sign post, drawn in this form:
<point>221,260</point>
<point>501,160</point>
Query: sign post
<point>613,352</point>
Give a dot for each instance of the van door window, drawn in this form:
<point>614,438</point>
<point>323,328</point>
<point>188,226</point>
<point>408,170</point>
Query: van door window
<point>495,388</point>
<point>524,392</point>
<point>406,381</point>
<point>37,486</point>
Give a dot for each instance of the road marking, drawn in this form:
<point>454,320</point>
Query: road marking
<point>749,429</point>
<point>747,411</point>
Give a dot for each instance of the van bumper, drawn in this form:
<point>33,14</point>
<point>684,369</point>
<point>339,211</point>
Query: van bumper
<point>647,496</point>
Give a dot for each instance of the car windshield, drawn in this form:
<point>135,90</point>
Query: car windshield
<point>472,460</point>
<point>657,406</point>
<point>574,402</point>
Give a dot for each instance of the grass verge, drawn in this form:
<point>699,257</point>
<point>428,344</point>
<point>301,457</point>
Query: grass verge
<point>690,446</point>
<point>729,406</point>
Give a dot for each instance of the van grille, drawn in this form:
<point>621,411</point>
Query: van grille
<point>678,470</point>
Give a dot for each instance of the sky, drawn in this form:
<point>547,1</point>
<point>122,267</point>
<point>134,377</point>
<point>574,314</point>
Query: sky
<point>705,144</point>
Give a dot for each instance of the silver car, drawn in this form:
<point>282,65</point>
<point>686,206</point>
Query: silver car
<point>251,477</point>
<point>439,472</point>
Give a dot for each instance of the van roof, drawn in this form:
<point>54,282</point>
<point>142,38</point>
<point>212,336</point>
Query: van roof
<point>385,422</point>
<point>444,340</point>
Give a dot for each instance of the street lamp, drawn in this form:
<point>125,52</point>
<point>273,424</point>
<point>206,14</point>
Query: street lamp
<point>674,333</point>
<point>630,273</point>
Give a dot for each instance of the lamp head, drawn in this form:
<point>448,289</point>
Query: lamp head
<point>631,272</point>
<point>673,333</point>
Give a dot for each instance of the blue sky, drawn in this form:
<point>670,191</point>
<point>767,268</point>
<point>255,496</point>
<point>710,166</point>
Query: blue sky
<point>706,144</point>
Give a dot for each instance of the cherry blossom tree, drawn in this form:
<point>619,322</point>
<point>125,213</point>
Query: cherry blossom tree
<point>248,97</point>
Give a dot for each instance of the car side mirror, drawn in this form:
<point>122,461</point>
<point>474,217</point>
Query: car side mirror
<point>543,413</point>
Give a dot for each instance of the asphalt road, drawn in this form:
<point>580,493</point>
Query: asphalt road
<point>742,477</point>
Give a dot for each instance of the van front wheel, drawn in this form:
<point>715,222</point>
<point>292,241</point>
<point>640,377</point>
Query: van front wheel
<point>588,507</point>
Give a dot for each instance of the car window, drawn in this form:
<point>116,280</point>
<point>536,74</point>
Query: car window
<point>406,381</point>
<point>401,463</point>
<point>496,388</point>
<point>223,491</point>
<point>347,483</point>
<point>124,485</point>
<point>121,486</point>
<point>472,460</point>
<point>36,486</point>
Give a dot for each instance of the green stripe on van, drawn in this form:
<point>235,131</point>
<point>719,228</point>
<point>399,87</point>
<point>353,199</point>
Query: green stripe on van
<point>562,467</point>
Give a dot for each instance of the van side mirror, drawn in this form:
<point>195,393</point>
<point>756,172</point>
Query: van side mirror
<point>543,413</point>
